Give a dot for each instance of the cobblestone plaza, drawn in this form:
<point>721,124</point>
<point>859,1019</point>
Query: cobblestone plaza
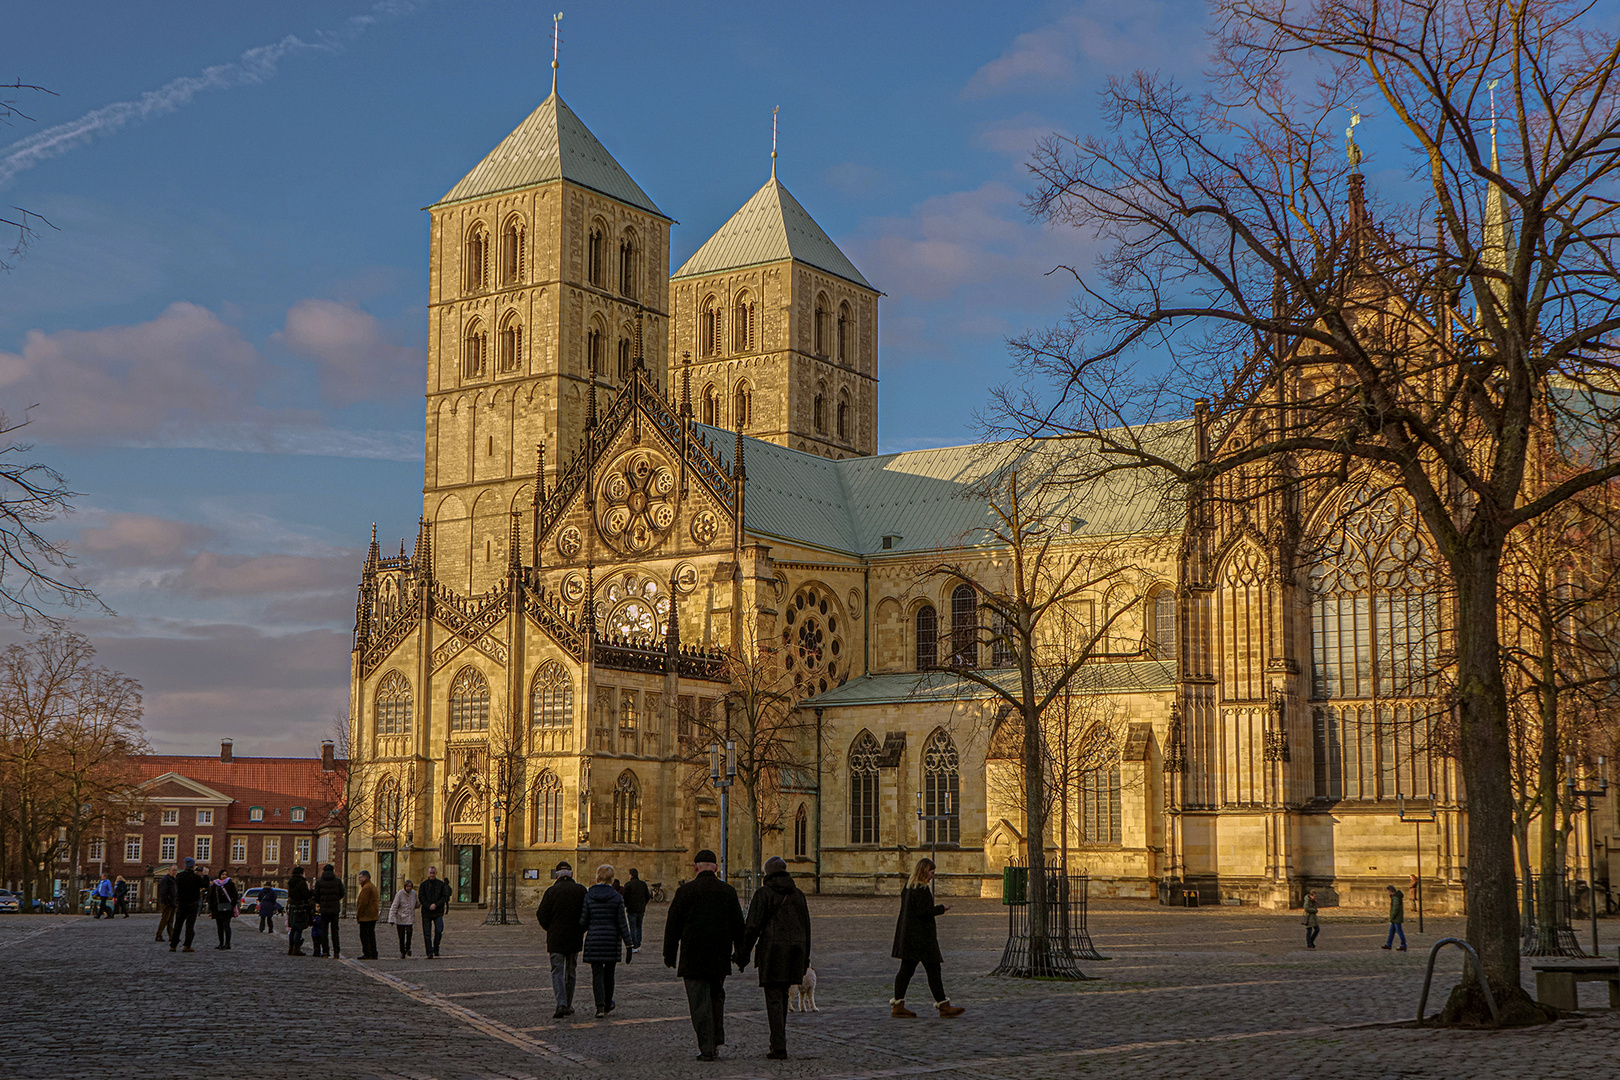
<point>1227,992</point>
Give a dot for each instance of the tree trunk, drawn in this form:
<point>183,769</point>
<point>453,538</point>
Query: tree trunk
<point>1040,941</point>
<point>1547,792</point>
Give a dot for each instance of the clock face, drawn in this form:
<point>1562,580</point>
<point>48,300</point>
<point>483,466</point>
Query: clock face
<point>638,501</point>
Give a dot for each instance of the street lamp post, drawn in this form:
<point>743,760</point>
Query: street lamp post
<point>1588,794</point>
<point>723,785</point>
<point>1418,819</point>
<point>934,820</point>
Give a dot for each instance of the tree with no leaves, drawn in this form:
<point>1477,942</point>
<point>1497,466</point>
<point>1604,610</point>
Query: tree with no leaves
<point>1431,356</point>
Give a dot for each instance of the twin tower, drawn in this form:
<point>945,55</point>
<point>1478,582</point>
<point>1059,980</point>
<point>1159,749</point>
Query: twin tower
<point>549,271</point>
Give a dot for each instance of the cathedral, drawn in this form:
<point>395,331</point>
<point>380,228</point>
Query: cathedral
<point>634,477</point>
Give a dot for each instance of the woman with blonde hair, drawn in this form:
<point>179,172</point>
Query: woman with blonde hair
<point>606,928</point>
<point>916,941</point>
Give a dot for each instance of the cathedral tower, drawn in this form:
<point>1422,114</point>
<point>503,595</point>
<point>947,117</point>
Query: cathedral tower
<point>541,258</point>
<point>781,331</point>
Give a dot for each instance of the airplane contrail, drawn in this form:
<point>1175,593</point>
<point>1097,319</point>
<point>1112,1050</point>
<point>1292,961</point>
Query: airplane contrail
<point>254,66</point>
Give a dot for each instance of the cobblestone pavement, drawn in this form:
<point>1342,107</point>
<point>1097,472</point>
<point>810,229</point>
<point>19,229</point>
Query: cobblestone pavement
<point>1226,992</point>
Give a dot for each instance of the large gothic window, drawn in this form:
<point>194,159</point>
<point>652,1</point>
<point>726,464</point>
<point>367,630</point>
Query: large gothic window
<point>964,627</point>
<point>469,702</point>
<point>551,702</point>
<point>389,806</point>
<point>627,809</point>
<point>1099,805</point>
<point>548,808</point>
<point>1164,624</point>
<point>863,789</point>
<point>942,796</point>
<point>393,712</point>
<point>1375,628</point>
<point>927,638</point>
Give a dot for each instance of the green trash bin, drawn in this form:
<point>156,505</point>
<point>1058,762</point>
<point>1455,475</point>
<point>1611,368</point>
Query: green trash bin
<point>1014,885</point>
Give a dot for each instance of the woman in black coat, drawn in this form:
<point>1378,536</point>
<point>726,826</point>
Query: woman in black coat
<point>916,941</point>
<point>777,932</point>
<point>607,931</point>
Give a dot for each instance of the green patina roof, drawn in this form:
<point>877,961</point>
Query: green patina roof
<point>937,686</point>
<point>770,227</point>
<point>930,500</point>
<point>551,144</point>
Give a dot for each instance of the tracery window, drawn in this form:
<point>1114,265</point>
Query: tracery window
<point>1164,624</point>
<point>548,808</point>
<point>476,263</point>
<point>709,327</point>
<point>801,833</point>
<point>863,789</point>
<point>1098,791</point>
<point>551,700</point>
<point>1002,638</point>
<point>393,709</point>
<point>742,324</point>
<point>389,806</point>
<point>846,333</point>
<point>927,638</point>
<point>942,796</point>
<point>813,640</point>
<point>469,702</point>
<point>627,809</point>
<point>964,627</point>
<point>468,809</point>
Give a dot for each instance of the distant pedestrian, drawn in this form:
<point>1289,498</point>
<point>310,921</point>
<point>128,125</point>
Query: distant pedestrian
<point>222,901</point>
<point>603,920</point>
<point>402,913</point>
<point>916,941</point>
<point>1397,917</point>
<point>559,917</point>
<point>777,933</point>
<point>121,897</point>
<point>268,906</point>
<point>330,893</point>
<point>202,898</point>
<point>435,895</point>
<point>103,896</point>
<point>189,886</point>
<point>300,911</point>
<point>1313,924</point>
<point>165,899</point>
<point>705,927</point>
<point>367,907</point>
<point>636,897</point>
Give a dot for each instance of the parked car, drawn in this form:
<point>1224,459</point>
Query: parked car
<point>250,899</point>
<point>10,903</point>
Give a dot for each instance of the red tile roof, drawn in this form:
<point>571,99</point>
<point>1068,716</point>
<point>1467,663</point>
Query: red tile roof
<point>273,783</point>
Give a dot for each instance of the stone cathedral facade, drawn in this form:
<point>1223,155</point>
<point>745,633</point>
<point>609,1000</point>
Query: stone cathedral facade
<point>630,472</point>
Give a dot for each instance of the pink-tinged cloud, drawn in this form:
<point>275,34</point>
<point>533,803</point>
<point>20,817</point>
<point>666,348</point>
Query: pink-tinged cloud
<point>210,574</point>
<point>353,360</point>
<point>1096,37</point>
<point>140,540</point>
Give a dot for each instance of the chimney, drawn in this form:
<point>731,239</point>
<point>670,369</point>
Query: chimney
<point>327,764</point>
<point>225,751</point>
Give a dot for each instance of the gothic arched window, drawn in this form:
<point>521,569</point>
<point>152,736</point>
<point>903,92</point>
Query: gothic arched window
<point>711,406</point>
<point>595,255</point>
<point>1099,816</point>
<point>709,327</point>
<point>823,325</point>
<point>551,700</point>
<point>843,415</point>
<point>593,349</point>
<point>964,627</point>
<point>469,702</point>
<point>846,334</point>
<point>1164,624</point>
<point>511,342</point>
<point>625,358</point>
<point>742,324</point>
<point>863,789</point>
<point>474,350</point>
<point>742,406</point>
<point>389,806</point>
<point>476,263</point>
<point>818,411</point>
<point>513,254</point>
<point>801,833</point>
<point>393,710</point>
<point>468,809</point>
<point>942,796</point>
<point>548,808</point>
<point>927,638</point>
<point>627,265</point>
<point>627,809</point>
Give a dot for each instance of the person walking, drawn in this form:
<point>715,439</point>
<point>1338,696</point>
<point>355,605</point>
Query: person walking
<point>222,901</point>
<point>121,897</point>
<point>402,913</point>
<point>300,911</point>
<point>603,920</point>
<point>559,916</point>
<point>104,896</point>
<point>188,888</point>
<point>329,896</point>
<point>777,933</point>
<point>435,895</point>
<point>165,899</point>
<point>916,941</point>
<point>705,928</point>
<point>636,898</point>
<point>268,906</point>
<point>367,908</point>
<point>1313,923</point>
<point>1397,917</point>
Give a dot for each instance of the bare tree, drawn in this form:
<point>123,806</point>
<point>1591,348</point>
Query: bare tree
<point>26,222</point>
<point>1352,347</point>
<point>33,569</point>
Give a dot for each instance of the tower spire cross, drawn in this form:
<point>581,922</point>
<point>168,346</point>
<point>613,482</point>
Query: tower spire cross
<point>556,44</point>
<point>774,111</point>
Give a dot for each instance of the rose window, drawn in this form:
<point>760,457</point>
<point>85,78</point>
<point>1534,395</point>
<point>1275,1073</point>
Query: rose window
<point>632,607</point>
<point>637,502</point>
<point>813,641</point>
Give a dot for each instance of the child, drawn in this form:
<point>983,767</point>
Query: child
<point>321,948</point>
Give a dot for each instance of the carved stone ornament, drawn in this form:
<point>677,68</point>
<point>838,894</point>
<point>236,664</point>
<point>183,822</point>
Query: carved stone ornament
<point>686,578</point>
<point>637,497</point>
<point>569,541</point>
<point>705,527</point>
<point>573,589</point>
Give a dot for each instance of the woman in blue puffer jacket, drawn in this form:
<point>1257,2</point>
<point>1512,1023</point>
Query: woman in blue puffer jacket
<point>607,931</point>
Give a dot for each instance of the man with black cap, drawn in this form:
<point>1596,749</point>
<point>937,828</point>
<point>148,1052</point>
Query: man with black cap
<point>779,922</point>
<point>188,888</point>
<point>559,914</point>
<point>705,926</point>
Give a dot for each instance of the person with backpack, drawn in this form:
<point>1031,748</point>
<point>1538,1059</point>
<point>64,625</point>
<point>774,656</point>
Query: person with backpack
<point>300,911</point>
<point>636,898</point>
<point>559,916</point>
<point>777,933</point>
<point>222,901</point>
<point>435,894</point>
<point>330,892</point>
<point>603,920</point>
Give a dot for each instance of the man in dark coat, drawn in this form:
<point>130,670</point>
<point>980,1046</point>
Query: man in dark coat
<point>705,926</point>
<point>300,911</point>
<point>165,899</point>
<point>188,890</point>
<point>435,894</point>
<point>636,897</point>
<point>330,892</point>
<point>559,917</point>
<point>777,932</point>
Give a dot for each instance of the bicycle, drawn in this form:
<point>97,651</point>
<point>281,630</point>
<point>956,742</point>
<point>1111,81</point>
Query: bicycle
<point>657,893</point>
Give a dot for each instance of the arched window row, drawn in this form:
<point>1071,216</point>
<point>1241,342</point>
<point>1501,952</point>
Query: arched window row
<point>394,705</point>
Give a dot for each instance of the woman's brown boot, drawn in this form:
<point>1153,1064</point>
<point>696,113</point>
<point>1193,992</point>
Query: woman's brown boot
<point>947,1009</point>
<point>897,1007</point>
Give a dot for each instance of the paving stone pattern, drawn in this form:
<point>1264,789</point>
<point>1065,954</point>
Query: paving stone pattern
<point>1212,993</point>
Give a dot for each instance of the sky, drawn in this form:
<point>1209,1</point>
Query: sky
<point>221,332</point>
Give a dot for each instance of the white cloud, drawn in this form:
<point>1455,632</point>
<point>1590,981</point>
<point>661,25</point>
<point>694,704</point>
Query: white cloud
<point>1097,36</point>
<point>352,358</point>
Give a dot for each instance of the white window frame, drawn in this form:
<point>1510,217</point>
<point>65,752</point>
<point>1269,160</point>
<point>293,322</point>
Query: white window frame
<point>168,847</point>
<point>96,851</point>
<point>203,849</point>
<point>298,813</point>
<point>171,817</point>
<point>303,849</point>
<point>205,817</point>
<point>238,850</point>
<point>272,851</point>
<point>256,813</point>
<point>132,848</point>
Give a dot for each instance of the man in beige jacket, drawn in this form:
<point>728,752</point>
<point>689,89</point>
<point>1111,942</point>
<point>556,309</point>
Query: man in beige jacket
<point>367,907</point>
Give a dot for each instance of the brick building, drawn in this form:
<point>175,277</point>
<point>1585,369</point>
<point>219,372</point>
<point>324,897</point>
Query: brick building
<point>258,816</point>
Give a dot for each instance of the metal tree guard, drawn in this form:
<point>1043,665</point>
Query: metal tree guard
<point>1068,939</point>
<point>1556,915</point>
<point>1589,794</point>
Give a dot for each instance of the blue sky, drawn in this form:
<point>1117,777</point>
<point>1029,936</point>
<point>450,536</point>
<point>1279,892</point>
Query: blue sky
<point>224,332</point>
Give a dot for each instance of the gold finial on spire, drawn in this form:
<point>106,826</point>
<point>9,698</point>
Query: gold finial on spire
<point>774,111</point>
<point>1351,150</point>
<point>556,42</point>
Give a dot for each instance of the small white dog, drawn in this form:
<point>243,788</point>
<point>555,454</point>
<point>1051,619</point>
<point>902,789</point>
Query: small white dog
<point>802,997</point>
